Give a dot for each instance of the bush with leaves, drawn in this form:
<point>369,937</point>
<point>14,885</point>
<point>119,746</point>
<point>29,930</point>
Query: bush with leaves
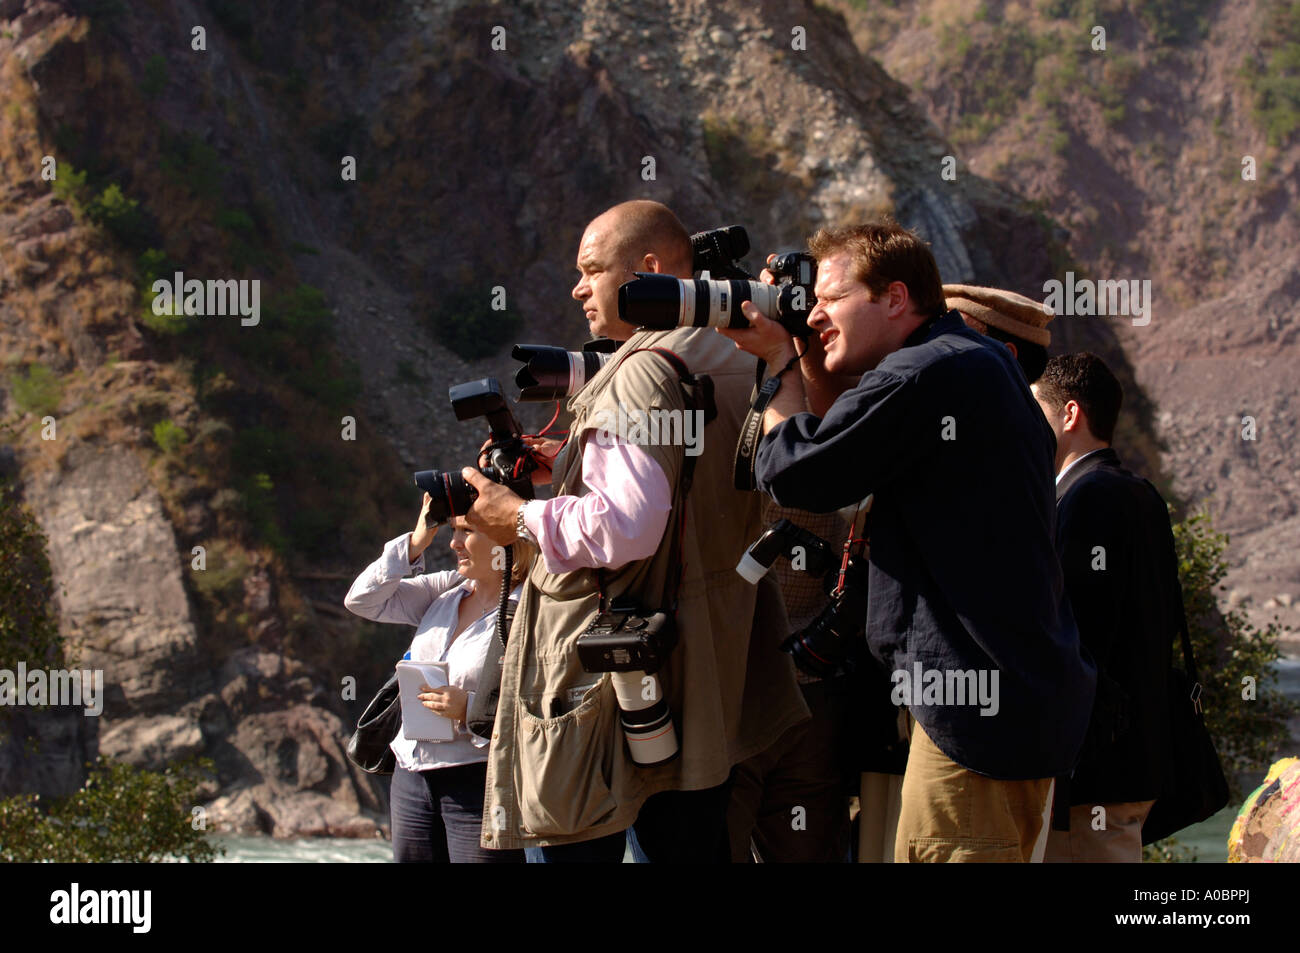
<point>1232,657</point>
<point>465,324</point>
<point>169,436</point>
<point>29,629</point>
<point>36,390</point>
<point>1247,732</point>
<point>121,814</point>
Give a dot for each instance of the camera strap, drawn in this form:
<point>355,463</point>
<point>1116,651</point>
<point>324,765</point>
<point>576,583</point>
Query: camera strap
<point>857,536</point>
<point>751,431</point>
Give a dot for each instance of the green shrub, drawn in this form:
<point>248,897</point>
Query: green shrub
<point>1274,78</point>
<point>1247,733</point>
<point>244,242</point>
<point>169,437</point>
<point>154,264</point>
<point>69,187</point>
<point>29,629</point>
<point>226,565</point>
<point>336,383</point>
<point>171,322</point>
<point>465,323</point>
<point>294,342</point>
<point>191,163</point>
<point>235,220</point>
<point>120,216</point>
<point>122,814</point>
<point>37,390</point>
<point>1173,22</point>
<point>258,492</point>
<point>155,75</point>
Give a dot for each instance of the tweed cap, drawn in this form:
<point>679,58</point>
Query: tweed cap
<point>1010,312</point>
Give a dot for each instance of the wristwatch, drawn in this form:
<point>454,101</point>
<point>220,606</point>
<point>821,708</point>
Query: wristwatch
<point>521,528</point>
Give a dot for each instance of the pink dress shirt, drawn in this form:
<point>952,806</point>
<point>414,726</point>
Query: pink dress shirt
<point>619,520</point>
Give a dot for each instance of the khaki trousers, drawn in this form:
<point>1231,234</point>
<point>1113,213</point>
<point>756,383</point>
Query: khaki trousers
<point>1119,841</point>
<point>950,814</point>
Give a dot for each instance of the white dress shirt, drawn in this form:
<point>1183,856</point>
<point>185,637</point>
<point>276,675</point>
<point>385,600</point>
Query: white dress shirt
<point>430,602</point>
<point>1066,469</point>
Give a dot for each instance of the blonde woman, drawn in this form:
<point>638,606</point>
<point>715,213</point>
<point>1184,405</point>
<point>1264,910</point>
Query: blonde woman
<point>436,798</point>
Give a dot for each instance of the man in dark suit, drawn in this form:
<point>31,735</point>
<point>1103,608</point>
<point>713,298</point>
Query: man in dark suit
<point>1117,552</point>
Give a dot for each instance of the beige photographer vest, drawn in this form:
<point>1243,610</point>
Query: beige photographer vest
<point>558,767</point>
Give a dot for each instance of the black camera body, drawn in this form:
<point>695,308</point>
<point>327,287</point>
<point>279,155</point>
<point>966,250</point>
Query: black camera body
<point>624,638</point>
<point>632,645</point>
<point>796,277</point>
<point>509,461</point>
<point>719,250</point>
<point>822,647</point>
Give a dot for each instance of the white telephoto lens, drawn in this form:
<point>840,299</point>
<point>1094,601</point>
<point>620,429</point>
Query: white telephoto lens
<point>647,722</point>
<point>686,303</point>
<point>751,569</point>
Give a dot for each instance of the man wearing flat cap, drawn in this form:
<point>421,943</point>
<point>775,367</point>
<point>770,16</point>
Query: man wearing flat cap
<point>1018,322</point>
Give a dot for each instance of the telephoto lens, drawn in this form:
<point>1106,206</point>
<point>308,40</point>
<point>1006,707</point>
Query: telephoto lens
<point>806,551</point>
<point>660,302</point>
<point>647,722</point>
<point>633,646</point>
<point>552,373</point>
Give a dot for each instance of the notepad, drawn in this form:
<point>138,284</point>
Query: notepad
<point>418,722</point>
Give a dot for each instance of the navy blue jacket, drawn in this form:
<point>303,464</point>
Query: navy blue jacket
<point>1127,611</point>
<point>963,570</point>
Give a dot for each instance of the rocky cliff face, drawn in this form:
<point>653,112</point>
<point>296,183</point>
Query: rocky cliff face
<point>476,167</point>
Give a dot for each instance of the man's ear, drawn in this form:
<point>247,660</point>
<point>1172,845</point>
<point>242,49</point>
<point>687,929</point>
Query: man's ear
<point>650,263</point>
<point>1012,348</point>
<point>899,299</point>
<point>1072,419</point>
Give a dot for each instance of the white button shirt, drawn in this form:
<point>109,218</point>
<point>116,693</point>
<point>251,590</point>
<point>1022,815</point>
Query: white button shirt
<point>430,602</point>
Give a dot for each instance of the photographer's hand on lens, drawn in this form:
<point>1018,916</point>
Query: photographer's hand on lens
<point>423,533</point>
<point>494,509</point>
<point>448,701</point>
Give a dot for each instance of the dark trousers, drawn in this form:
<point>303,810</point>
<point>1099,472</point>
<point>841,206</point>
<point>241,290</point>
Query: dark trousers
<point>789,800</point>
<point>437,815</point>
<point>672,827</point>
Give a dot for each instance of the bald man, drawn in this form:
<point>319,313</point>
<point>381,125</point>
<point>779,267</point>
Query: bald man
<point>561,780</point>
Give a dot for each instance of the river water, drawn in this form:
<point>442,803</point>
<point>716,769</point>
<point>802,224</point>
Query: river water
<point>1209,838</point>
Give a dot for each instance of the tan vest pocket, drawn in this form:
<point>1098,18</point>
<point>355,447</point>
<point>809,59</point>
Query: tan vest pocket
<point>565,764</point>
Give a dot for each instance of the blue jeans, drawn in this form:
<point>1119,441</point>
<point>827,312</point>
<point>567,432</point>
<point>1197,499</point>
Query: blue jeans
<point>672,827</point>
<point>437,814</point>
